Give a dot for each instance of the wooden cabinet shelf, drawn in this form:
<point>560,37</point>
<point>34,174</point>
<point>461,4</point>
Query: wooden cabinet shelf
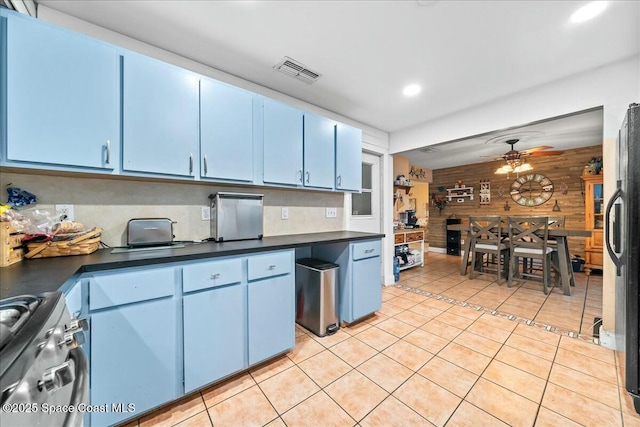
<point>410,239</point>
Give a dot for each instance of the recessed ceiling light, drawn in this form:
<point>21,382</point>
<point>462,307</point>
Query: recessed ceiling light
<point>411,90</point>
<point>588,11</point>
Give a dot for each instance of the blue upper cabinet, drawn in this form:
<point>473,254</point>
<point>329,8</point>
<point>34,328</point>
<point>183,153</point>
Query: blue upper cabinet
<point>348,158</point>
<point>282,142</point>
<point>319,149</point>
<point>226,126</point>
<point>160,117</point>
<point>62,97</point>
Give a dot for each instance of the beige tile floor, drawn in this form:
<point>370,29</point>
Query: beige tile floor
<point>421,361</point>
<point>575,313</point>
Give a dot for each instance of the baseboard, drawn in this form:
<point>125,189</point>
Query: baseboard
<point>437,250</point>
<point>608,339</point>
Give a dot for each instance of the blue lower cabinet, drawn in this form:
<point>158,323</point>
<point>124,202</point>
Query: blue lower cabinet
<point>359,276</point>
<point>271,317</point>
<point>215,334</point>
<point>134,359</point>
<point>366,287</point>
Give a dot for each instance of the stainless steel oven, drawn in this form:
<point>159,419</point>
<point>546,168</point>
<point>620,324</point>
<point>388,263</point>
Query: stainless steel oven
<point>43,371</point>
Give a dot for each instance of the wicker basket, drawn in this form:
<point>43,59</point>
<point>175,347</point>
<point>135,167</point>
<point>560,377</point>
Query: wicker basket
<point>84,244</point>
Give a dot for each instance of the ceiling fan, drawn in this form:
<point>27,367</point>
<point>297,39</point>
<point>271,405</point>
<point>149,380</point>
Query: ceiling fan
<point>515,159</point>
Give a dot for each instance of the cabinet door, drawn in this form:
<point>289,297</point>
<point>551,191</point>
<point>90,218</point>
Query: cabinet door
<point>366,287</point>
<point>62,104</point>
<point>215,335</point>
<point>134,358</point>
<point>271,317</point>
<point>282,143</point>
<point>160,117</point>
<point>348,158</point>
<point>226,123</point>
<point>319,149</point>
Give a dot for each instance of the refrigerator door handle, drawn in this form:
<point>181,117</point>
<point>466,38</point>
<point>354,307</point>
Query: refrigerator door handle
<point>617,260</point>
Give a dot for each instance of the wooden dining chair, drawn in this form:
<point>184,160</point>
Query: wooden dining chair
<point>486,239</point>
<point>554,222</point>
<point>528,238</point>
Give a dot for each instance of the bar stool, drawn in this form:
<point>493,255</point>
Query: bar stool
<point>486,239</point>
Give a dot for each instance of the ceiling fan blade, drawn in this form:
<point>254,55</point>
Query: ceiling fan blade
<point>536,149</point>
<point>546,153</point>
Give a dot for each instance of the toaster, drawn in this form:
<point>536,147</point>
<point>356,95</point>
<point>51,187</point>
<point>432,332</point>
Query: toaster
<point>149,232</point>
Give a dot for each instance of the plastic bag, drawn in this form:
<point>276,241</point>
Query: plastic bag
<point>18,197</point>
<point>35,221</point>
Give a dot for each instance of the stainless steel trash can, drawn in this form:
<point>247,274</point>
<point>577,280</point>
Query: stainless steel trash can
<point>316,296</point>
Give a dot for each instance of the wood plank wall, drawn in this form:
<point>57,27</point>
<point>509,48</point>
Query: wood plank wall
<point>566,168</point>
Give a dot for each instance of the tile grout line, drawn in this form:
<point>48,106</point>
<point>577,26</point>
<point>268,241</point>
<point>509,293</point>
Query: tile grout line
<point>495,312</point>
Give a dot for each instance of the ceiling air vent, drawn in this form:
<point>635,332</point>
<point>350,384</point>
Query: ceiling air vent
<point>428,149</point>
<point>295,69</point>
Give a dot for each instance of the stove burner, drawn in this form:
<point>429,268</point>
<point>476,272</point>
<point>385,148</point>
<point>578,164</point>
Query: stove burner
<point>14,312</point>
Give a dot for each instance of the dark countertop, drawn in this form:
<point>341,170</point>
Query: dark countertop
<point>34,276</point>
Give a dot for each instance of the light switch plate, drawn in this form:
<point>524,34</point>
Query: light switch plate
<point>285,213</point>
<point>332,212</point>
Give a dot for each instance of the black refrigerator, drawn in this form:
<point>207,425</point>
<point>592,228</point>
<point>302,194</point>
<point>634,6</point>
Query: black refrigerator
<point>622,238</point>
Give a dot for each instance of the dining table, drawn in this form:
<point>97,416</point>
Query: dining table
<point>559,233</point>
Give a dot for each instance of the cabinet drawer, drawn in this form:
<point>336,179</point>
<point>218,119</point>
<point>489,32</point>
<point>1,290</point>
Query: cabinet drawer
<point>108,290</point>
<point>367,249</point>
<point>210,274</point>
<point>398,238</point>
<point>453,251</point>
<point>453,239</point>
<point>269,265</point>
<point>416,236</point>
<point>593,258</point>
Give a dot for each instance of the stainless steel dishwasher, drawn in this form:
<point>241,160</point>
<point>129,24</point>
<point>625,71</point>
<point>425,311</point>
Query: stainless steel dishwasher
<point>316,296</point>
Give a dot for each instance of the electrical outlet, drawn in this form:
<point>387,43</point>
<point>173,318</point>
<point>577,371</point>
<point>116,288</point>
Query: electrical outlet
<point>332,212</point>
<point>65,211</point>
<point>205,213</point>
<point>285,213</point>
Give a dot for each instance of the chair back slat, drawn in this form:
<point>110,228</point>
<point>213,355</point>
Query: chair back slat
<point>529,232</point>
<point>485,229</point>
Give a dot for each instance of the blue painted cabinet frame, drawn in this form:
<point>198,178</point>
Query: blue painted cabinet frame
<point>61,97</point>
<point>226,132</point>
<point>160,113</point>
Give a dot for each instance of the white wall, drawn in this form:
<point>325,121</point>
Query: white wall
<point>614,87</point>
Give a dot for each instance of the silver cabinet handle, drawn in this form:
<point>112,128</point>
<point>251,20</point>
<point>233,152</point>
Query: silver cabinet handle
<point>107,157</point>
<point>308,176</point>
<point>339,180</point>
<point>368,251</point>
<point>191,163</point>
<point>272,267</point>
<point>206,168</point>
<point>300,175</point>
<point>215,276</point>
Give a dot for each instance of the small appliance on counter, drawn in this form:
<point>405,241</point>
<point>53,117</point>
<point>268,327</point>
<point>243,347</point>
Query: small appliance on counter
<point>236,216</point>
<point>145,232</point>
<point>408,218</point>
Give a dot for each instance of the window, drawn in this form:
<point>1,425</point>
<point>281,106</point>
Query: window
<point>361,203</point>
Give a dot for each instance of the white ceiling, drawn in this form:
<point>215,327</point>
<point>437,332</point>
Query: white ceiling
<point>463,53</point>
<point>582,129</point>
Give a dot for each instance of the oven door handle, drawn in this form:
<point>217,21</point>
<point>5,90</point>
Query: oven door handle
<point>80,393</point>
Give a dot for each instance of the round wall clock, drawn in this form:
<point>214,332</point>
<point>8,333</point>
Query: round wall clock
<point>531,190</point>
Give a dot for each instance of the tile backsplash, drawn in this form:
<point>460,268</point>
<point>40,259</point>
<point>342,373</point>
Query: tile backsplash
<point>110,203</point>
